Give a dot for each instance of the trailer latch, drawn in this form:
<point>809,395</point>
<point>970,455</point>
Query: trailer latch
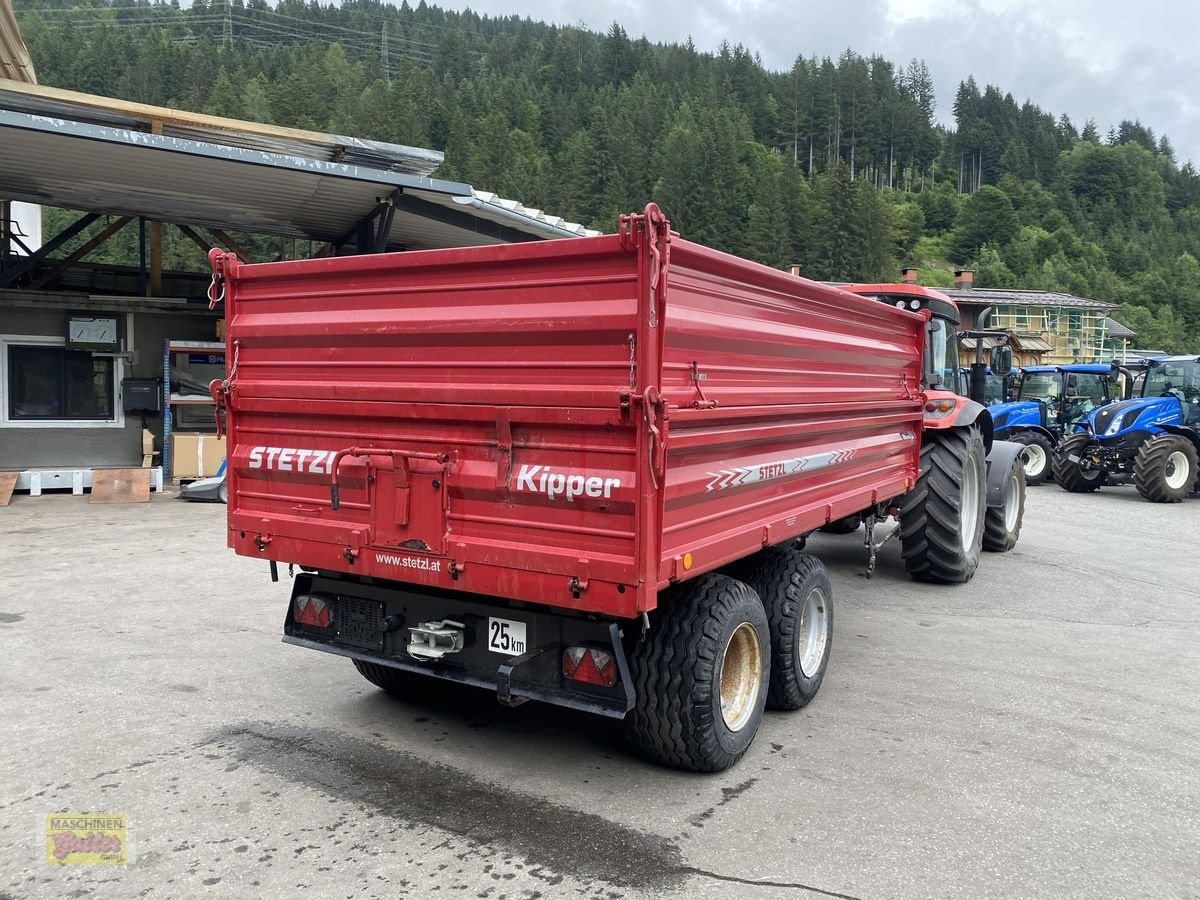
<point>433,640</point>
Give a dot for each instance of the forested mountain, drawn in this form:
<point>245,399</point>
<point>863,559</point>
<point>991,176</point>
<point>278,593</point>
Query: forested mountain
<point>836,164</point>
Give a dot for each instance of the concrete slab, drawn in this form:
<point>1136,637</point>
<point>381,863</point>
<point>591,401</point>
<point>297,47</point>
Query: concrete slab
<point>1035,732</point>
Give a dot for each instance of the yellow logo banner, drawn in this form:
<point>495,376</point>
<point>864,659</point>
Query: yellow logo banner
<point>78,838</point>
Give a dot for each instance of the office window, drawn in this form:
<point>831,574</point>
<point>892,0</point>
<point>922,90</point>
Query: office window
<point>47,382</point>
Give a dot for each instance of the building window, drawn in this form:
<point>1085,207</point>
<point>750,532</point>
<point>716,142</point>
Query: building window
<point>46,382</point>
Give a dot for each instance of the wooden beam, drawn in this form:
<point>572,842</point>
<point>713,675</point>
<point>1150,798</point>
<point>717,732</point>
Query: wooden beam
<point>103,235</point>
<point>154,288</point>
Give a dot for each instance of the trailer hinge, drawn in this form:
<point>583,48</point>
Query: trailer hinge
<point>701,402</point>
<point>224,266</point>
<point>657,227</point>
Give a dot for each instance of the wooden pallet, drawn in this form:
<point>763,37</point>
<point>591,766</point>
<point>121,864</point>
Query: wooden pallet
<point>120,486</point>
<point>8,481</point>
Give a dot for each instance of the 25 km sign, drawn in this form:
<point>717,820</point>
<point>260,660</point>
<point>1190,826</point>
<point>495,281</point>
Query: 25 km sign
<point>506,636</point>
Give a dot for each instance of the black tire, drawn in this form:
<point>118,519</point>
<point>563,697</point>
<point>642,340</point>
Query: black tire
<point>848,525</point>
<point>1041,449</point>
<point>933,540</point>
<point>1069,474</point>
<point>1002,524</point>
<point>1164,470</point>
<point>786,580</point>
<point>396,682</point>
<point>677,673</point>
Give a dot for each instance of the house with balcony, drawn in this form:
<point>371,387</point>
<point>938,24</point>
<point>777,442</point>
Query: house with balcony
<point>1045,327</point>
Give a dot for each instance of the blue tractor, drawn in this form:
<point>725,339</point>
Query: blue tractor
<point>1049,401</point>
<point>1152,440</point>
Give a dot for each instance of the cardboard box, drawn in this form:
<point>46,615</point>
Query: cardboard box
<point>147,441</point>
<point>195,455</point>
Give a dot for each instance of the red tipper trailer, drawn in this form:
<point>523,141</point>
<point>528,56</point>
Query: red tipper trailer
<point>522,466</point>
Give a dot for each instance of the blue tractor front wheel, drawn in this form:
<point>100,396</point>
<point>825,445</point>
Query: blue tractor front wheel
<point>1072,470</point>
<point>1165,468</point>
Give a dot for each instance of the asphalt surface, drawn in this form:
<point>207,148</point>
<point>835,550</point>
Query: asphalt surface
<point>1034,733</point>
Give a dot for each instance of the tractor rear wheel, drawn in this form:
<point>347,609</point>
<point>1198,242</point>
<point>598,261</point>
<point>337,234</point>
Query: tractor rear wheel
<point>701,675</point>
<point>1165,468</point>
<point>1002,524</point>
<point>1069,474</point>
<point>1037,455</point>
<point>798,599</point>
<point>941,518</point>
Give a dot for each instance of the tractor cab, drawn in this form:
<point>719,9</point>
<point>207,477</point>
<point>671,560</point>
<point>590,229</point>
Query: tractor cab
<point>997,388</point>
<point>1178,377</point>
<point>1065,395</point>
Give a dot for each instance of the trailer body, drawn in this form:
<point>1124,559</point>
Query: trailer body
<point>547,434</point>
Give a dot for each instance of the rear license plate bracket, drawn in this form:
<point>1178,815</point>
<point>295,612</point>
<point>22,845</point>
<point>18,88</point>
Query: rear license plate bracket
<point>359,622</point>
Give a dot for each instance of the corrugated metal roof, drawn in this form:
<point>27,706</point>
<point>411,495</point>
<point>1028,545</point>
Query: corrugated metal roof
<point>15,63</point>
<point>1017,297</point>
<point>106,169</point>
<point>40,100</point>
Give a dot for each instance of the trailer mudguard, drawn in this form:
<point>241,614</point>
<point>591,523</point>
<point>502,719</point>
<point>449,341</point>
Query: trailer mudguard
<point>1000,461</point>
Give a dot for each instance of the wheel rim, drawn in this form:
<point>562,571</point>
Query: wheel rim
<point>1177,470</point>
<point>1012,500</point>
<point>1035,460</point>
<point>968,513</point>
<point>741,676</point>
<point>813,632</point>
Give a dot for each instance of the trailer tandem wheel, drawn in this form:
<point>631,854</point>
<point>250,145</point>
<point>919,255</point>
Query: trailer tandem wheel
<point>941,518</point>
<point>1002,524</point>
<point>798,599</point>
<point>1165,468</point>
<point>396,682</point>
<point>700,675</point>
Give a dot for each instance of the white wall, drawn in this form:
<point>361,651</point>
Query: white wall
<point>28,219</point>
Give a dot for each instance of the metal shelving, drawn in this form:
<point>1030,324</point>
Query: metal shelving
<point>213,349</point>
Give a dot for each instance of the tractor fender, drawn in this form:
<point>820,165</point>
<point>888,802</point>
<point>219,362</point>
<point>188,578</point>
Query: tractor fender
<point>970,413</point>
<point>1191,434</point>
<point>1000,460</point>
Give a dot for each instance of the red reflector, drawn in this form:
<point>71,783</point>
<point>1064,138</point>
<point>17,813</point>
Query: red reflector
<point>589,665</point>
<point>312,611</point>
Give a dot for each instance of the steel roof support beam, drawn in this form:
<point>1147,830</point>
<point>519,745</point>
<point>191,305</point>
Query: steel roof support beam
<point>112,228</point>
<point>473,224</point>
<point>9,276</point>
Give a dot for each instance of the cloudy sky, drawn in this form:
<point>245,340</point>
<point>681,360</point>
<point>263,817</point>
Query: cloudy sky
<point>1103,59</point>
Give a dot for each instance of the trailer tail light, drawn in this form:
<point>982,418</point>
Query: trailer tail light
<point>589,665</point>
<point>312,611</point>
<point>939,408</point>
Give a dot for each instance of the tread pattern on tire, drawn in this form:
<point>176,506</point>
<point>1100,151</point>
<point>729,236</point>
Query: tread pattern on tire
<point>996,536</point>
<point>777,575</point>
<point>1068,474</point>
<point>1150,465</point>
<point>394,681</point>
<point>671,723</point>
<point>930,543</point>
<point>1032,437</point>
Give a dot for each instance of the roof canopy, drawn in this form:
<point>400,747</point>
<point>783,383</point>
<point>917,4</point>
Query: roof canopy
<point>106,156</point>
